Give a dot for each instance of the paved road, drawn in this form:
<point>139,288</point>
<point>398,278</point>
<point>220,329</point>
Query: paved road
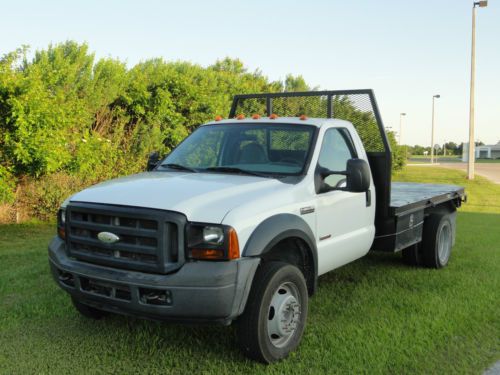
<point>494,370</point>
<point>489,170</point>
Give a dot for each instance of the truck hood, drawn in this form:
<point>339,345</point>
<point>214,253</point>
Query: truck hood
<point>203,197</point>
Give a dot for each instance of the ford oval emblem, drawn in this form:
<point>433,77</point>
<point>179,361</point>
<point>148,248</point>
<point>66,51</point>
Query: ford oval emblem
<point>108,237</point>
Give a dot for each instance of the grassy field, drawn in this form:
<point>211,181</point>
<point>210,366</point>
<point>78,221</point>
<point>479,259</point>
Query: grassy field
<point>373,316</point>
<point>413,159</point>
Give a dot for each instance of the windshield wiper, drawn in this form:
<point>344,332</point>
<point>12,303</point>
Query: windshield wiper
<point>179,167</point>
<point>235,170</point>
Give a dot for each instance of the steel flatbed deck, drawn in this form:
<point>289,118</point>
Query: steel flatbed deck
<point>407,197</point>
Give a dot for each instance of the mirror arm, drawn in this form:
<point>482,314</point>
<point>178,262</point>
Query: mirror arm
<point>329,173</point>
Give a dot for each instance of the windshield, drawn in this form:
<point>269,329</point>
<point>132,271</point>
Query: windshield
<point>267,149</point>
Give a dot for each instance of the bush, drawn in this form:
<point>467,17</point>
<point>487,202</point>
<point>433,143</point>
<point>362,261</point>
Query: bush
<point>40,198</point>
<point>7,186</point>
<point>68,120</point>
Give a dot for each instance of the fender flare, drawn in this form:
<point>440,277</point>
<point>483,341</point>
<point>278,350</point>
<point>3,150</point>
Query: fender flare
<point>275,229</point>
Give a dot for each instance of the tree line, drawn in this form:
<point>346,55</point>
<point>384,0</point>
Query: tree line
<point>447,148</point>
<point>68,120</point>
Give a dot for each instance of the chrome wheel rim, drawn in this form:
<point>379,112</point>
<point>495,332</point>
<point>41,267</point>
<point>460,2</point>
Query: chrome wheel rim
<point>444,243</point>
<point>283,314</point>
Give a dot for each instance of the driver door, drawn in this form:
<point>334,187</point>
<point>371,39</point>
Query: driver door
<point>345,223</point>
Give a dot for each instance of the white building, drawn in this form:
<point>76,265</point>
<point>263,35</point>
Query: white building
<point>482,152</point>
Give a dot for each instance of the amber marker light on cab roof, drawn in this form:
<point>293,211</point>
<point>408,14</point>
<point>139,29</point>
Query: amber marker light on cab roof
<point>256,116</point>
<point>273,116</point>
<point>303,117</point>
<point>240,116</point>
<point>218,118</point>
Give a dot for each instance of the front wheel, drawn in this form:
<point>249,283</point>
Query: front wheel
<point>276,312</point>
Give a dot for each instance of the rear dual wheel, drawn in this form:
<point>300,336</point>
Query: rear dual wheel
<point>275,316</point>
<point>437,241</point>
<point>435,249</point>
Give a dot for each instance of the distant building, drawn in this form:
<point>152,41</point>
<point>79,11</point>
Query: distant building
<point>482,152</point>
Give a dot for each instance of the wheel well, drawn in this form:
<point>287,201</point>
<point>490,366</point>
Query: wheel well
<point>295,251</point>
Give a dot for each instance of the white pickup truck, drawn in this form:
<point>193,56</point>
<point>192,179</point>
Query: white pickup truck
<point>237,222</point>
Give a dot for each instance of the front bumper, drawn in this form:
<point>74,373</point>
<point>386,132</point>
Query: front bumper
<point>199,291</point>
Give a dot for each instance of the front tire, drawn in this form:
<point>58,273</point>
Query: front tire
<point>275,315</point>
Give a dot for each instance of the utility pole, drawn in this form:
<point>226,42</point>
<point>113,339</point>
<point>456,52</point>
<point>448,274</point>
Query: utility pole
<point>432,135</point>
<point>472,145</point>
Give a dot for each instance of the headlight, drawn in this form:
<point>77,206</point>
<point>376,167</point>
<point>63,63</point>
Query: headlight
<point>211,242</point>
<point>213,235</point>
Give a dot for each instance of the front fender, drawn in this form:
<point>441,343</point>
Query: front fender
<point>275,229</point>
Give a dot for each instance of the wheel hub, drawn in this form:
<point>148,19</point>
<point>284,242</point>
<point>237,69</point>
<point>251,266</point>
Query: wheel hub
<point>444,243</point>
<point>284,315</point>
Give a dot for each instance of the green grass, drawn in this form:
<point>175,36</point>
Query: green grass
<point>375,315</point>
<point>414,159</point>
<point>487,161</point>
<point>436,156</point>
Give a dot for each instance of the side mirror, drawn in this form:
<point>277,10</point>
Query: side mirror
<point>358,176</point>
<point>153,160</point>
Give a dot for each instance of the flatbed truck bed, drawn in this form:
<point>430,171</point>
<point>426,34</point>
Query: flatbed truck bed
<point>410,203</point>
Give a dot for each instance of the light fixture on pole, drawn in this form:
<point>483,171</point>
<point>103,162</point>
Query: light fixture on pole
<point>432,134</point>
<point>401,126</point>
<point>470,163</point>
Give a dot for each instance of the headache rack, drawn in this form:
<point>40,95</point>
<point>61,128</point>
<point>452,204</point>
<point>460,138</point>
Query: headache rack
<point>356,106</point>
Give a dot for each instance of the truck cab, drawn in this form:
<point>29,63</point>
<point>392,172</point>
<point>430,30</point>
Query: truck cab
<point>238,221</point>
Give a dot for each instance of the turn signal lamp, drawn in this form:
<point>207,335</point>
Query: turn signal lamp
<point>234,247</point>
<point>212,242</point>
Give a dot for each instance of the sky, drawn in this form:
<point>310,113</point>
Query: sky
<point>407,51</point>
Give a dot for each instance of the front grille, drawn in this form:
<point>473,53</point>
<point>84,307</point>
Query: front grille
<point>149,240</point>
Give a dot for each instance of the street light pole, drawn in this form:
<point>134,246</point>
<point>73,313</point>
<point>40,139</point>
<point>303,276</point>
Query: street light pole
<point>472,145</point>
<point>401,127</point>
<point>401,132</point>
<point>432,134</point>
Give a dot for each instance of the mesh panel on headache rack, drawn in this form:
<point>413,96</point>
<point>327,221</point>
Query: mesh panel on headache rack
<point>250,106</point>
<point>358,109</point>
<point>312,106</point>
<point>355,108</point>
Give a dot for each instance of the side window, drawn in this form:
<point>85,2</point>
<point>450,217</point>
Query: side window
<point>336,149</point>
